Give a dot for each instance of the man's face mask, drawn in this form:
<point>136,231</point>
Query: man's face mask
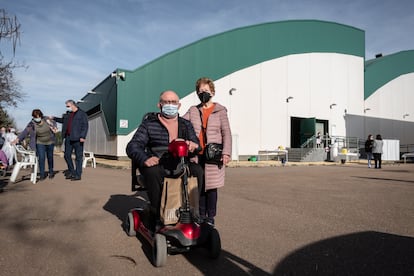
<point>37,120</point>
<point>204,96</point>
<point>169,110</point>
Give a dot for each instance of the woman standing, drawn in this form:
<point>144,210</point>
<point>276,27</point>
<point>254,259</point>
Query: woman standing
<point>42,138</point>
<point>377,151</point>
<point>211,124</point>
<point>369,144</point>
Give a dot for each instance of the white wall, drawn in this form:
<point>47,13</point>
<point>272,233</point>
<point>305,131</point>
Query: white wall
<point>391,150</point>
<point>258,112</point>
<point>393,100</point>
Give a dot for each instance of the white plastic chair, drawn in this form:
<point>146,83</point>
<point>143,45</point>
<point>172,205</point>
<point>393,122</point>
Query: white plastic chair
<point>27,159</point>
<point>88,156</point>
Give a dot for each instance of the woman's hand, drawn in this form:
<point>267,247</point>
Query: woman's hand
<point>226,159</point>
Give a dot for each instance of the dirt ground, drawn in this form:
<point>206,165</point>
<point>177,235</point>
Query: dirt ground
<point>293,220</point>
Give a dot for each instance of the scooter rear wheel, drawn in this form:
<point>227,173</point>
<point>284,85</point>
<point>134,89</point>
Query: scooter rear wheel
<point>214,244</point>
<point>159,250</point>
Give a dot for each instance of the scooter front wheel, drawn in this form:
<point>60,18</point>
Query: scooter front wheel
<point>159,250</point>
<point>214,244</point>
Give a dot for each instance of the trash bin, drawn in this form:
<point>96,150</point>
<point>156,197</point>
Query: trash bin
<point>328,154</point>
<point>344,151</point>
<point>252,159</point>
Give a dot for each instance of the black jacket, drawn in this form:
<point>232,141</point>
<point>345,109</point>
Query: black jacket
<point>152,138</point>
<point>369,144</point>
<point>80,125</point>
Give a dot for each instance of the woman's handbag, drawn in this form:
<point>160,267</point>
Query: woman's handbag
<point>213,153</point>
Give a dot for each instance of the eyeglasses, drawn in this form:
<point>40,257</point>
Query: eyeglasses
<point>169,102</point>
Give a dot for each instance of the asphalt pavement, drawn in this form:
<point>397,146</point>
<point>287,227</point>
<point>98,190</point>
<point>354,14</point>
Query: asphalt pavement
<point>273,220</point>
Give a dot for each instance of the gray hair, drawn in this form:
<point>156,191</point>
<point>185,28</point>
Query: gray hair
<point>72,102</point>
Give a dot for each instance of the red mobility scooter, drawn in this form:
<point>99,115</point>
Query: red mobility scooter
<point>182,236</point>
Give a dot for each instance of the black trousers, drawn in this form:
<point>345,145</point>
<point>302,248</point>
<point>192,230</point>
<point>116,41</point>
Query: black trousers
<point>208,198</point>
<point>154,179</point>
<point>378,161</point>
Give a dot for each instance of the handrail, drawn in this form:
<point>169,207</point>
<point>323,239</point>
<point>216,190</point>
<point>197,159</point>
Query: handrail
<point>406,148</point>
<point>343,141</point>
<point>308,141</point>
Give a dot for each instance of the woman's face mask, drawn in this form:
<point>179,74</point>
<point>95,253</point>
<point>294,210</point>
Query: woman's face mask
<point>169,110</point>
<point>37,120</point>
<point>204,96</point>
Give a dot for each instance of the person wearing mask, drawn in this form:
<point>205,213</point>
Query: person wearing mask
<point>151,140</point>
<point>377,151</point>
<point>211,124</point>
<point>42,139</point>
<point>369,144</point>
<point>74,130</point>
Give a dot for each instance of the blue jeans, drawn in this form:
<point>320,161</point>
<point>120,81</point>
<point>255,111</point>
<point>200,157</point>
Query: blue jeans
<point>76,146</point>
<point>369,157</point>
<point>44,151</point>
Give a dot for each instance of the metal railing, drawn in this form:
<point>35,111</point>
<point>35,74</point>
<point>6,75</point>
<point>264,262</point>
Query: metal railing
<point>406,148</point>
<point>342,141</point>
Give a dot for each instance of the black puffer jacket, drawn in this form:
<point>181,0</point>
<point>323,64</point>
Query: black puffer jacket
<point>152,135</point>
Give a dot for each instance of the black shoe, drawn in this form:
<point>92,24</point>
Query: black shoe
<point>42,178</point>
<point>51,175</point>
<point>69,176</point>
<point>76,178</point>
<point>66,173</point>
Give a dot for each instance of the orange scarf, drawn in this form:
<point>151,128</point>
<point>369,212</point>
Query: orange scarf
<point>206,113</point>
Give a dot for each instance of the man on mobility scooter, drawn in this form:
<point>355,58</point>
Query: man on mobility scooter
<point>160,150</point>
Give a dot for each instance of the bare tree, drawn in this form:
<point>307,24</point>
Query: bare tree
<point>10,93</point>
<point>9,29</point>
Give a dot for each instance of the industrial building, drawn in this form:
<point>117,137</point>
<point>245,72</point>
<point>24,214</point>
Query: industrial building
<point>282,82</point>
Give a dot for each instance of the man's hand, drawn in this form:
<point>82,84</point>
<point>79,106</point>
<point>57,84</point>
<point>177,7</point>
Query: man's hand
<point>82,140</point>
<point>191,146</point>
<point>152,161</point>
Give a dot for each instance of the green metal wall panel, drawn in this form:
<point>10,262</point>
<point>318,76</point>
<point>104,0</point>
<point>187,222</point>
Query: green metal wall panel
<point>105,97</point>
<point>222,54</point>
<point>382,70</point>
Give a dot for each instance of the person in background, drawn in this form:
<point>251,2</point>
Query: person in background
<point>9,137</point>
<point>3,160</point>
<point>42,139</point>
<point>318,140</point>
<point>377,151</point>
<point>2,135</point>
<point>369,144</point>
<point>74,130</point>
<point>211,124</point>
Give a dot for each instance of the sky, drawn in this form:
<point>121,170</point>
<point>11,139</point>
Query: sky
<point>70,46</point>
